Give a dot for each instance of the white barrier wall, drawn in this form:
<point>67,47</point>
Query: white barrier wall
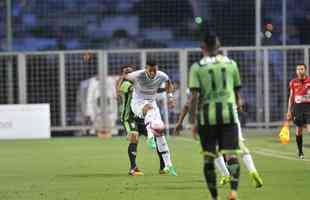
<point>29,121</point>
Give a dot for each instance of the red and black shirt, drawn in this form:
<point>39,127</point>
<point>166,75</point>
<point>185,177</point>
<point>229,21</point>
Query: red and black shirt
<point>300,89</point>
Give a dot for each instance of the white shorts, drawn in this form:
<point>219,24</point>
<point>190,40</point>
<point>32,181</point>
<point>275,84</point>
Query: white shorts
<point>137,106</point>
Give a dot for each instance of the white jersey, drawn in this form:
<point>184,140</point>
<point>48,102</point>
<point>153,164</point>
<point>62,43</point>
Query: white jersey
<point>144,87</point>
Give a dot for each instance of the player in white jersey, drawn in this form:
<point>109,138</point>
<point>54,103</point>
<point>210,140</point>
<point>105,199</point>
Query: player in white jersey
<point>146,83</point>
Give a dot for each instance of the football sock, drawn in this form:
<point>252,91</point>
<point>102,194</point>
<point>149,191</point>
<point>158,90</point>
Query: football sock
<point>248,162</point>
<point>164,150</point>
<point>210,176</point>
<point>234,169</point>
<point>221,166</point>
<point>161,160</point>
<point>132,153</point>
<point>299,143</point>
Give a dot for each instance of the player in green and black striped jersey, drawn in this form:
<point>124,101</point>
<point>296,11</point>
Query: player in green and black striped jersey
<point>132,124</point>
<point>215,78</point>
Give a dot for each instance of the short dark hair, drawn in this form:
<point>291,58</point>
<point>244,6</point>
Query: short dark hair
<point>126,66</point>
<point>303,64</point>
<point>211,41</point>
<point>151,62</point>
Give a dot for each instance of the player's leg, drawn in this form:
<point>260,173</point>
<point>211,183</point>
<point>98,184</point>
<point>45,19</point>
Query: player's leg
<point>144,109</point>
<point>249,164</point>
<point>247,157</point>
<point>164,151</point>
<point>299,113</point>
<point>299,142</point>
<point>132,135</point>
<point>142,131</point>
<point>229,144</point>
<point>208,141</point>
<point>222,168</point>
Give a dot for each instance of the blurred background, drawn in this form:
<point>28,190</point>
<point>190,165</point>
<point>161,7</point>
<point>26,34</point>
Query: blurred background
<point>118,24</point>
<point>51,51</point>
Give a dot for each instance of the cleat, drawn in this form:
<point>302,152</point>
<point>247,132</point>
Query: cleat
<point>256,179</point>
<point>162,172</point>
<point>224,180</point>
<point>301,156</point>
<point>171,170</point>
<point>135,172</point>
<point>151,143</point>
<point>232,195</point>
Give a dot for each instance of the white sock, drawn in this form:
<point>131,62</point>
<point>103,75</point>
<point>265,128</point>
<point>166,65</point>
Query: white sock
<point>163,148</point>
<point>221,166</point>
<point>248,162</point>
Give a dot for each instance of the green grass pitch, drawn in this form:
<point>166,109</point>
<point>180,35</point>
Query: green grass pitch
<point>94,169</point>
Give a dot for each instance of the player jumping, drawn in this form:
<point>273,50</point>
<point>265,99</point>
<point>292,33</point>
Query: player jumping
<point>143,104</point>
<point>299,104</point>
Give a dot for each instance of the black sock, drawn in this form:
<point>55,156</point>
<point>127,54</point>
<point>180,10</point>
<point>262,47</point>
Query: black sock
<point>132,152</point>
<point>210,176</point>
<point>299,143</point>
<point>234,169</point>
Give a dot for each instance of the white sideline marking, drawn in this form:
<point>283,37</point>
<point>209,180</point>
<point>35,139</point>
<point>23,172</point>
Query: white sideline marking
<point>269,154</point>
<point>261,151</point>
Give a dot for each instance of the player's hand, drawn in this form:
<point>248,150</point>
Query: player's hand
<point>194,131</point>
<point>177,128</point>
<point>289,116</point>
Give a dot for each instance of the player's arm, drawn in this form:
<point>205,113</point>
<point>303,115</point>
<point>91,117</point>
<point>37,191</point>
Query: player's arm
<point>237,87</point>
<point>290,105</point>
<point>169,88</point>
<point>193,105</point>
<point>181,118</point>
<point>130,77</point>
<point>194,85</point>
<point>239,99</point>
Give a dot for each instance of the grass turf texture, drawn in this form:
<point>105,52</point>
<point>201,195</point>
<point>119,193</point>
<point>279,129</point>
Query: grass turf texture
<point>91,169</point>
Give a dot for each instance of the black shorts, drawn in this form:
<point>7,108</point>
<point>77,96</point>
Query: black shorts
<point>301,114</point>
<point>130,126</point>
<point>141,126</point>
<point>219,138</point>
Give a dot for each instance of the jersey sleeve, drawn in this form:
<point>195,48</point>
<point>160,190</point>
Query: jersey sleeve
<point>133,75</point>
<point>193,77</point>
<point>125,87</point>
<point>164,76</point>
<point>236,76</point>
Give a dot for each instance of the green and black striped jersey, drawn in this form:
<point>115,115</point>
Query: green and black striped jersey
<point>126,96</point>
<point>216,78</point>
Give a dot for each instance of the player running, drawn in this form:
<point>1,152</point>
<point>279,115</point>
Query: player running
<point>143,104</point>
<point>299,104</point>
<point>215,78</point>
<point>219,160</point>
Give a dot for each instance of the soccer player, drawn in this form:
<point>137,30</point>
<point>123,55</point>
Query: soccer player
<point>299,104</point>
<point>219,160</point>
<point>133,125</point>
<point>215,78</point>
<point>143,104</point>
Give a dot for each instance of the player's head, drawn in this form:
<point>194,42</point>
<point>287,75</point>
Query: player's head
<point>126,69</point>
<point>301,70</point>
<point>210,44</point>
<point>151,68</point>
